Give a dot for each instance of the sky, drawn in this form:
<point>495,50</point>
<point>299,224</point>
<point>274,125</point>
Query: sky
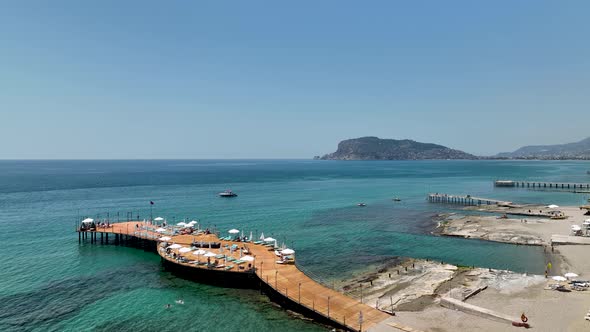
<point>287,79</point>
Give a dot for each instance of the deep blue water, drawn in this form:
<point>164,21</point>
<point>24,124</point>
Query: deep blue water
<point>49,282</point>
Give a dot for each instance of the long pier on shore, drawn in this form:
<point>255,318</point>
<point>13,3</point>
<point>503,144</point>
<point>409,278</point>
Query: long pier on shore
<point>464,200</point>
<point>542,185</point>
<point>285,284</point>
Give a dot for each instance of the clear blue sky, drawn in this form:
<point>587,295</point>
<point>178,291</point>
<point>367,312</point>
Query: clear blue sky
<point>288,79</point>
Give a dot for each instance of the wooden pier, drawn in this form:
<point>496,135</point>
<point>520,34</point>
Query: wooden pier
<point>464,200</point>
<point>285,284</point>
<point>542,185</point>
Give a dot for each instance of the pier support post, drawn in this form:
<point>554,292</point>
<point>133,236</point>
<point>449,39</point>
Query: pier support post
<point>79,237</point>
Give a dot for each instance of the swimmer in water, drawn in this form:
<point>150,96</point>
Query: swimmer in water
<point>180,301</point>
<point>167,306</point>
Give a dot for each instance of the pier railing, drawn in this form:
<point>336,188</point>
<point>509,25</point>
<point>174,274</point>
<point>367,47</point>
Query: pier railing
<point>324,305</point>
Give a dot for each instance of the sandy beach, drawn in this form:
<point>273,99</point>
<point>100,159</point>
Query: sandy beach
<point>415,290</point>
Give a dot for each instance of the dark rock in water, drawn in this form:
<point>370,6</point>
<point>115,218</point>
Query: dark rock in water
<point>374,148</point>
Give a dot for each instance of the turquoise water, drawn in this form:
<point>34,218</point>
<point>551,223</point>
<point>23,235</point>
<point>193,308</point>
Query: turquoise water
<point>50,283</point>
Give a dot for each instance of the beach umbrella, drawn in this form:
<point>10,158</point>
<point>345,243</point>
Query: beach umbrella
<point>269,239</point>
<point>558,278</point>
<point>552,206</point>
<point>192,223</point>
<point>288,251</point>
<point>247,258</point>
<point>262,236</point>
<point>175,246</point>
<point>165,238</point>
<point>183,250</point>
<point>250,238</point>
<point>576,228</point>
<point>158,219</point>
<point>181,224</point>
<point>233,231</point>
<point>210,254</point>
<point>160,230</point>
<point>570,275</point>
<point>87,220</point>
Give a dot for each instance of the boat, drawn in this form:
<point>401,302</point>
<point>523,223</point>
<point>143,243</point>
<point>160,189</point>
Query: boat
<point>362,204</point>
<point>395,199</point>
<point>228,193</point>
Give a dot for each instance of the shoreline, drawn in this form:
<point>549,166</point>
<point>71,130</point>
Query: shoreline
<point>415,290</point>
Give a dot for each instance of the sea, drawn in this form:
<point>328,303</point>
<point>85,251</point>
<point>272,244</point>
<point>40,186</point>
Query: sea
<point>49,282</point>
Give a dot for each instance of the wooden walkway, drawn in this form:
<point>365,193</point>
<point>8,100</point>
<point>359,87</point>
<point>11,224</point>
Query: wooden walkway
<point>285,279</point>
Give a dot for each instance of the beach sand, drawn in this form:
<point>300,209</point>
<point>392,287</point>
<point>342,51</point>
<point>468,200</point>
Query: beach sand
<point>416,293</point>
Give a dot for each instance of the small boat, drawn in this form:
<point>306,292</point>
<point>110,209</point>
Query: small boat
<point>228,193</point>
<point>362,204</point>
<point>395,199</point>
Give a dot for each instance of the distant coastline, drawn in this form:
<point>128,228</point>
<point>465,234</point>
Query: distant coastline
<point>374,148</point>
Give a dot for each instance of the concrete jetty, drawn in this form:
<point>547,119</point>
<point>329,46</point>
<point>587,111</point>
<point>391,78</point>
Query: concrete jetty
<point>464,200</point>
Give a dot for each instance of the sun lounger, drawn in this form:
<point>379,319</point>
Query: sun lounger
<point>230,259</point>
<point>258,242</point>
<point>220,256</point>
<point>229,267</point>
<point>238,262</point>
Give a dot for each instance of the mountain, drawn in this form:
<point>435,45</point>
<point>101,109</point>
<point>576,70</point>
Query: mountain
<point>578,150</point>
<point>374,148</point>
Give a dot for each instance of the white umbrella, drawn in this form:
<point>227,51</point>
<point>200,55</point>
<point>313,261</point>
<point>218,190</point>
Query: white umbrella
<point>185,249</point>
<point>181,224</point>
<point>570,275</point>
<point>161,230</point>
<point>576,228</point>
<point>247,258</point>
<point>165,238</point>
<point>158,219</point>
<point>558,278</point>
<point>553,206</point>
<point>250,238</point>
<point>269,239</point>
<point>87,220</point>
<point>262,236</point>
<point>210,254</point>
<point>233,231</point>
<point>175,246</point>
<point>288,251</point>
<point>199,252</point>
<point>192,223</point>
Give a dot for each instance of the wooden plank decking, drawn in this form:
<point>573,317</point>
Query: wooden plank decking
<point>286,279</point>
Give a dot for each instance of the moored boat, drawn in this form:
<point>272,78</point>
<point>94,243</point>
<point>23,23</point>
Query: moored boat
<point>228,193</point>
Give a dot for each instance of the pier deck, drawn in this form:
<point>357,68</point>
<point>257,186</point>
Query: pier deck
<point>464,200</point>
<point>285,279</point>
<point>560,186</point>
